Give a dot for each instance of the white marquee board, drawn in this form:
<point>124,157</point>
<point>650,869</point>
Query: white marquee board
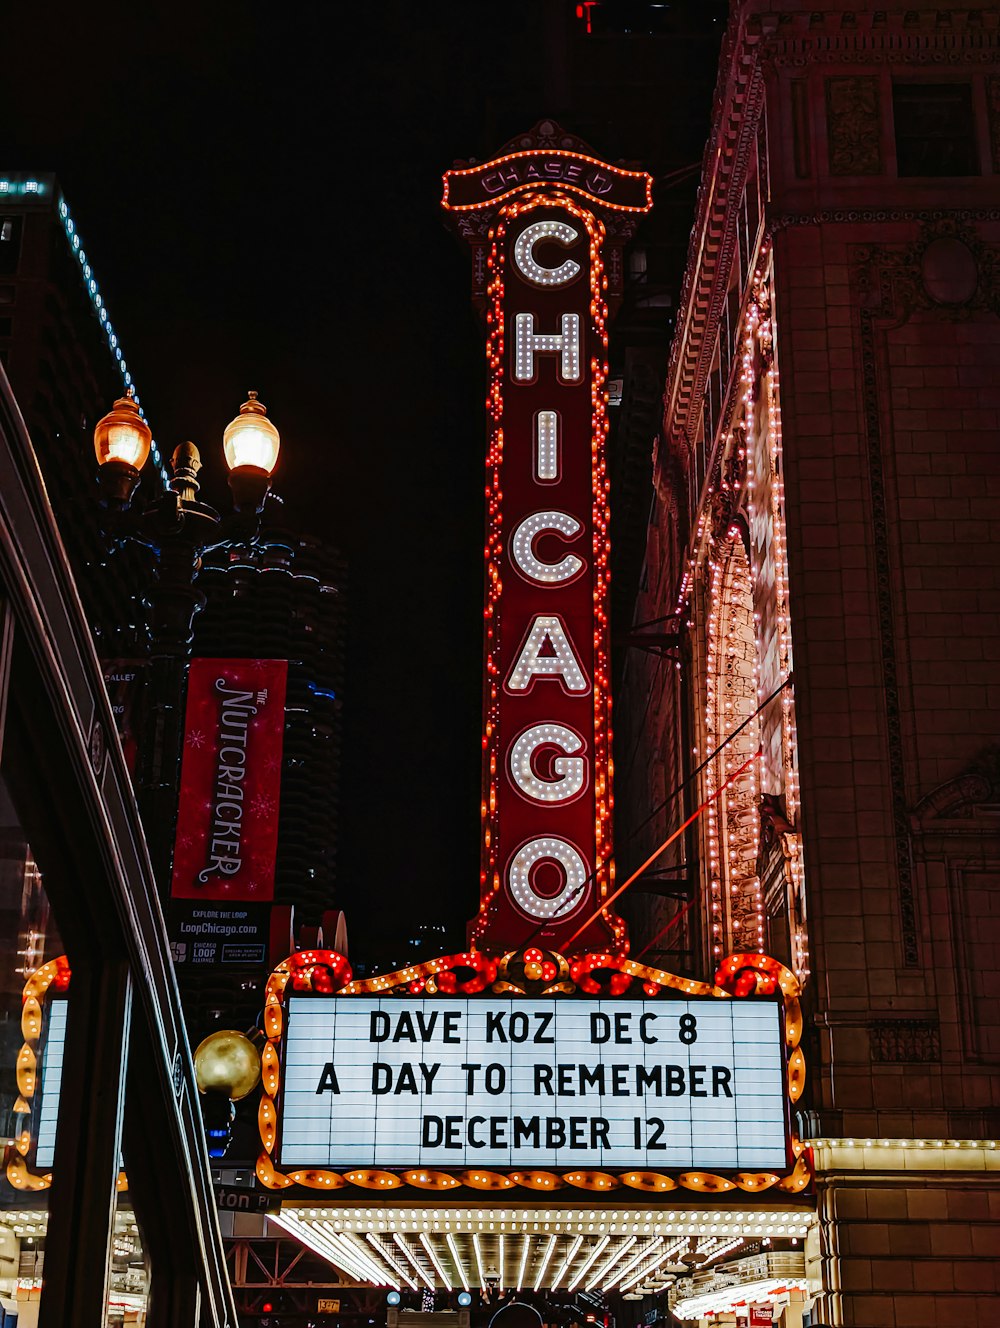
<point>50,1084</point>
<point>458,1082</point>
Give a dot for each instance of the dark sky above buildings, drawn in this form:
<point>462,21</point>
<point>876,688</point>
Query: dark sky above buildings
<point>258,187</point>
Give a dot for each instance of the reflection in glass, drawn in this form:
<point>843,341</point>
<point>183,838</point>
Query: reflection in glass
<point>35,990</point>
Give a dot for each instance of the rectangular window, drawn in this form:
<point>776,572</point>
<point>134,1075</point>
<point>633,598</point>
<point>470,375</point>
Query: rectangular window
<point>935,129</point>
<point>10,244</point>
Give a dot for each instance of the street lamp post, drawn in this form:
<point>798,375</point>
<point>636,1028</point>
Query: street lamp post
<point>178,528</point>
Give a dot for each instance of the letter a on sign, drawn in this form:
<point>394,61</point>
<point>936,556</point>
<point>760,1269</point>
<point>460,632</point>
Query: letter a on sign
<point>547,653</point>
<point>542,279</point>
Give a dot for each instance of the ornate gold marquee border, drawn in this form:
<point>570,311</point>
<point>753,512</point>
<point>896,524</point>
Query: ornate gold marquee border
<point>530,972</point>
<point>52,977</point>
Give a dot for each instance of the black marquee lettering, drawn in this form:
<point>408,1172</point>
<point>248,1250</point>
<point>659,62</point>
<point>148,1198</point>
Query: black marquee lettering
<point>722,1077</point>
<point>543,1020</point>
<point>328,1080</point>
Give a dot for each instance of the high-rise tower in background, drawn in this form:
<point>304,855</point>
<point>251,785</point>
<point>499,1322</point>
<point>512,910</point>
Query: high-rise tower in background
<point>284,599</point>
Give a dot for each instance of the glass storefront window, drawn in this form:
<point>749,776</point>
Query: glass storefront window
<point>128,1288</point>
<point>35,991</point>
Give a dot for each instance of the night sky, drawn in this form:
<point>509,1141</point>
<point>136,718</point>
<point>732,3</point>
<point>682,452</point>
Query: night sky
<point>258,190</point>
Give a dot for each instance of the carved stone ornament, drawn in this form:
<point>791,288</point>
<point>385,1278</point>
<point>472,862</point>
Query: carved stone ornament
<point>947,268</point>
<point>972,795</point>
<point>906,1041</point>
<point>854,125</point>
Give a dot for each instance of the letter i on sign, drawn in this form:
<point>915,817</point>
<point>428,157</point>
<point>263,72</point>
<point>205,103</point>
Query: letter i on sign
<point>546,846</point>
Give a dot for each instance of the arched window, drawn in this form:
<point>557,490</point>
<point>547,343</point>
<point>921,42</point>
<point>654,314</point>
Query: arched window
<point>732,821</point>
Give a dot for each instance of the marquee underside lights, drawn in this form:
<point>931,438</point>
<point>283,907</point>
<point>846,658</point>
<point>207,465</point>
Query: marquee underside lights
<point>536,1250</point>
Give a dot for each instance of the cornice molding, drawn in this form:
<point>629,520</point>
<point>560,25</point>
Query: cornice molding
<point>739,100</point>
<point>755,44</point>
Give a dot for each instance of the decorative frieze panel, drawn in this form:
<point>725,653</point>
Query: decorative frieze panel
<point>910,1041</point>
<point>853,126</point>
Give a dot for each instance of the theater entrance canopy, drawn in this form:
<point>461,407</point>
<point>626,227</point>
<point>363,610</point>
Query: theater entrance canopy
<point>535,1121</point>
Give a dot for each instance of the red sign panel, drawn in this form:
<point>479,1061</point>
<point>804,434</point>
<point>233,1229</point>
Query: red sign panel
<point>761,1316</point>
<point>227,821</point>
<point>546,861</point>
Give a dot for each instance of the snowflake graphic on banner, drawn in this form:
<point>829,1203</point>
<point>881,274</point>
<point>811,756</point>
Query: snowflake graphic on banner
<point>196,739</point>
<point>262,804</point>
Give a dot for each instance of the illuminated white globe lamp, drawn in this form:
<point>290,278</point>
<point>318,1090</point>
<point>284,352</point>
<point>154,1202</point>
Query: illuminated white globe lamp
<point>122,440</point>
<point>251,439</point>
<point>251,444</point>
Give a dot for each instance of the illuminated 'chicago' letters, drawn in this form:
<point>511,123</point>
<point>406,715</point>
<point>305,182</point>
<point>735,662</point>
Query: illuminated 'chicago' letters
<point>540,279</point>
<point>547,446</point>
<point>547,633</point>
<point>528,343</point>
<point>523,554</point>
<point>574,873</point>
<point>570,771</point>
<point>529,266</point>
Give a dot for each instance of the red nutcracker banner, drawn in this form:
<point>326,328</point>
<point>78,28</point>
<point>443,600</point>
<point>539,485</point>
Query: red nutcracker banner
<point>227,821</point>
<point>547,797</point>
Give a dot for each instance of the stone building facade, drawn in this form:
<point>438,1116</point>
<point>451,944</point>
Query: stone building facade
<point>822,581</point>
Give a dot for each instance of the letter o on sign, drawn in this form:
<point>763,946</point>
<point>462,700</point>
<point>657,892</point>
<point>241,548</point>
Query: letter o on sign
<point>570,894</point>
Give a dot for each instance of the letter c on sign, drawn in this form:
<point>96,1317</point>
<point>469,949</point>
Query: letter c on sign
<point>568,897</point>
<point>528,265</point>
<point>523,555</point>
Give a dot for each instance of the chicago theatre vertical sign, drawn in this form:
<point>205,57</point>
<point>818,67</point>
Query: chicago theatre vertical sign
<point>546,222</point>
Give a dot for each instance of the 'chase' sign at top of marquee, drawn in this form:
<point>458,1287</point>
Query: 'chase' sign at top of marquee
<point>481,186</point>
<point>380,1082</point>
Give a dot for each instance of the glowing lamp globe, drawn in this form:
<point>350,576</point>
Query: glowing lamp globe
<point>251,439</point>
<point>123,435</point>
<point>227,1062</point>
